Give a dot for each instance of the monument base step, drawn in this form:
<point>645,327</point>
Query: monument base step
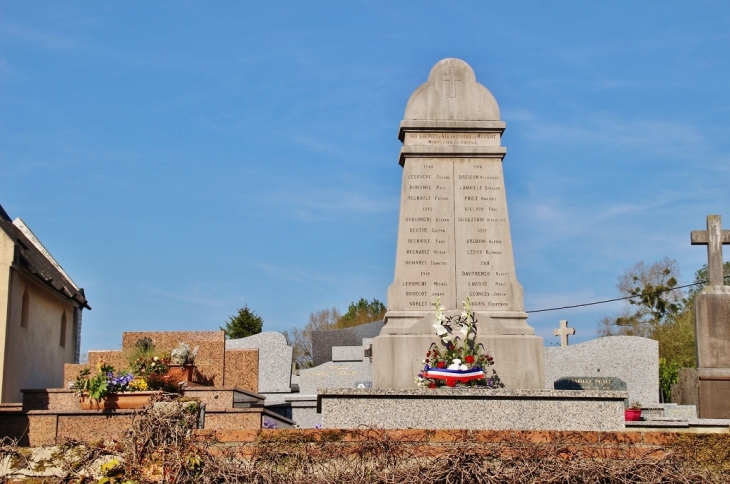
<point>472,408</point>
<point>518,359</point>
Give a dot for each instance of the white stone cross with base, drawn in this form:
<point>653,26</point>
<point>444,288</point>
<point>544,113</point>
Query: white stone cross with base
<point>714,238</point>
<point>563,332</point>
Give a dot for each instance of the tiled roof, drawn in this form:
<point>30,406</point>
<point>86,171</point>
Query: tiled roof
<point>31,258</point>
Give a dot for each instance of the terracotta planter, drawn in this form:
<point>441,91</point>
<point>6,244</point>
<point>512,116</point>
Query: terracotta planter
<point>117,401</point>
<point>181,372</point>
<point>632,415</point>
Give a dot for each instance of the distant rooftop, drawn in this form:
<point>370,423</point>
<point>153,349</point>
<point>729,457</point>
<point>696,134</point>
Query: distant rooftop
<point>32,255</point>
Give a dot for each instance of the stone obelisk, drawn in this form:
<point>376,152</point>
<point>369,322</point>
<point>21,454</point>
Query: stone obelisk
<point>453,234</point>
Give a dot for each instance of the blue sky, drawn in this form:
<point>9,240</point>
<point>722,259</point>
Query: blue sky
<point>180,159</point>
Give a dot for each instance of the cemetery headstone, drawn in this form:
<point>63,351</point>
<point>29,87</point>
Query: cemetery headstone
<point>712,325</point>
<point>454,237</point>
<point>349,368</point>
<point>687,389</point>
<point>323,341</point>
<point>630,359</point>
<point>275,357</point>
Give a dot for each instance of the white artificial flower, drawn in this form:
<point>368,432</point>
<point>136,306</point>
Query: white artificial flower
<point>455,365</point>
<point>440,330</point>
<point>464,330</point>
<point>463,367</point>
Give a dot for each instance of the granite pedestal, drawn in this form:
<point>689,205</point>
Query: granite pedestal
<point>471,408</point>
<point>712,324</point>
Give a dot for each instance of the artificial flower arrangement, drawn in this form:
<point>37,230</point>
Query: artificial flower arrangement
<point>149,364</point>
<point>460,360</point>
<point>183,355</point>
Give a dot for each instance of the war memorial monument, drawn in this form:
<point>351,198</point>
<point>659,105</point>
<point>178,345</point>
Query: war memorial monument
<point>454,237</point>
<point>454,244</point>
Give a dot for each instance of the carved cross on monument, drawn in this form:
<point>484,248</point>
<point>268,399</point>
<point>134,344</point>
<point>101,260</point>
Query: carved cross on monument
<point>563,332</point>
<point>452,80</point>
<point>714,238</point>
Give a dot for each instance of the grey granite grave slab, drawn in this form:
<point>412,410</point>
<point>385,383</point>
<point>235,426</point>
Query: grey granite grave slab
<point>275,357</point>
<point>304,411</point>
<point>471,408</point>
<point>673,410</point>
<point>632,359</point>
<point>323,341</point>
<point>348,353</point>
<point>341,374</point>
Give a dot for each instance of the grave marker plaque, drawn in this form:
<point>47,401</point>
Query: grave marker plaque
<point>589,383</point>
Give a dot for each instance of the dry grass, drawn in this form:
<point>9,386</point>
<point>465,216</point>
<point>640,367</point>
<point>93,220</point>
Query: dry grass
<point>159,448</point>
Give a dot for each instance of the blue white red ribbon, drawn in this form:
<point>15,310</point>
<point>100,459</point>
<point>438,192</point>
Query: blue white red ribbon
<point>475,373</point>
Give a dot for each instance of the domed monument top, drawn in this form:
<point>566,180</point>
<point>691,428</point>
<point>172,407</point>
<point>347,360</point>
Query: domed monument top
<point>452,93</point>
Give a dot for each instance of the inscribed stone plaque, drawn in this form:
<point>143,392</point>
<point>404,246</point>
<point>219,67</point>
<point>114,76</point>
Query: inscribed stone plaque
<point>589,383</point>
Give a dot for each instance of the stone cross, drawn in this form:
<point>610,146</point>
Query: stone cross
<point>452,80</point>
<point>563,332</point>
<point>714,238</point>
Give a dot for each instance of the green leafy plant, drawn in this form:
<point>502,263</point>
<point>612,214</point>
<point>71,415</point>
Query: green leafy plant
<point>668,376</point>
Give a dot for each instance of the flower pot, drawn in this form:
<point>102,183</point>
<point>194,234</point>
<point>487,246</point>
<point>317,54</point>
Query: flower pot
<point>116,401</point>
<point>181,372</point>
<point>632,414</point>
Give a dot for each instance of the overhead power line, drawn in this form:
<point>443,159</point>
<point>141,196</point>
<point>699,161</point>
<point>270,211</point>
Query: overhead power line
<point>618,298</point>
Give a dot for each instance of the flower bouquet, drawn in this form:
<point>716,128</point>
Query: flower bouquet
<point>459,360</point>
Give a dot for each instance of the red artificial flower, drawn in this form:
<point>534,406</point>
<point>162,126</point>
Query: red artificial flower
<point>469,359</point>
<point>450,382</point>
<point>431,385</point>
<point>441,364</point>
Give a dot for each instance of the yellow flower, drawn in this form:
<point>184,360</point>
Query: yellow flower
<point>138,384</point>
